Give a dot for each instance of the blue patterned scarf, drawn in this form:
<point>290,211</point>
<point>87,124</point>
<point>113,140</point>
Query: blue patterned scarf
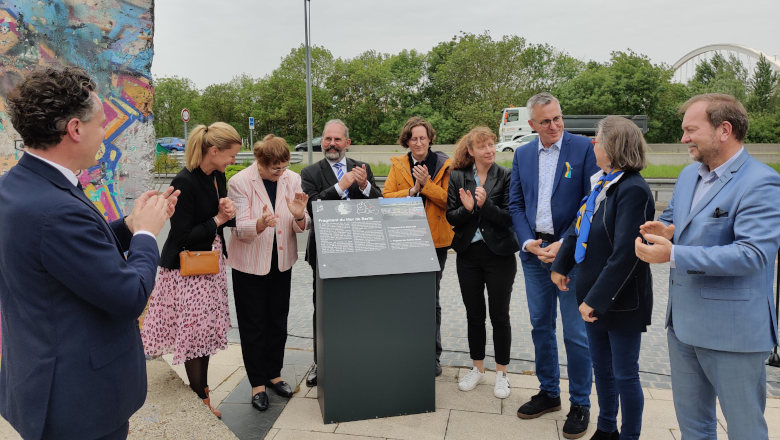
<point>585,214</point>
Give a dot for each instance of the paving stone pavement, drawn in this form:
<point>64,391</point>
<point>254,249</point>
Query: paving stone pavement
<point>654,356</point>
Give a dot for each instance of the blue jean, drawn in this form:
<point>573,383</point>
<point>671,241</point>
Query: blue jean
<point>738,380</point>
<point>615,356</point>
<point>543,310</point>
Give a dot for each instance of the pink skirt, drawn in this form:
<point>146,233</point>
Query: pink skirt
<point>187,316</point>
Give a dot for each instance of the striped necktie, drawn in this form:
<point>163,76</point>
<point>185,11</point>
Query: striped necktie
<point>339,175</point>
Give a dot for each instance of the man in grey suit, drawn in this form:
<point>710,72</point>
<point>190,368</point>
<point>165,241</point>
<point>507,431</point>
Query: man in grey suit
<point>720,233</point>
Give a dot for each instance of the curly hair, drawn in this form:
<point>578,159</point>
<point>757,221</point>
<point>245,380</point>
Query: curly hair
<point>415,121</point>
<point>41,106</point>
<point>477,136</point>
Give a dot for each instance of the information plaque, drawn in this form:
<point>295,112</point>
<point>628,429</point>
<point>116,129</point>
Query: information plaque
<point>375,304</point>
<point>373,237</point>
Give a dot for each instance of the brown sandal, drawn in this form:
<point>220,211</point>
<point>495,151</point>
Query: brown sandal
<point>207,401</point>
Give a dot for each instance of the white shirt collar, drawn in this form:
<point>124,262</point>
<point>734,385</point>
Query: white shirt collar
<point>556,144</point>
<point>343,163</point>
<point>65,172</point>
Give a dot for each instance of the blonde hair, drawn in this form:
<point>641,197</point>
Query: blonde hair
<point>271,150</point>
<point>475,137</point>
<point>623,143</point>
<point>202,138</point>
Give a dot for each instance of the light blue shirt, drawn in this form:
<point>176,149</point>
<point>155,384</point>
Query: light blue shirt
<point>706,179</point>
<point>341,192</point>
<point>478,233</point>
<point>548,163</point>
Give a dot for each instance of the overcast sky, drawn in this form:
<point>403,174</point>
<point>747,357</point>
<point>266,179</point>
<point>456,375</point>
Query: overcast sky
<point>212,41</point>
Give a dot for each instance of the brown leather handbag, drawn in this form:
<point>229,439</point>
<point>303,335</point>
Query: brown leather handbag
<point>199,262</point>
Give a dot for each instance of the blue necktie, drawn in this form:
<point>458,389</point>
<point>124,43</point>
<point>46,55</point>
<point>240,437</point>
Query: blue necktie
<point>585,215</point>
<point>339,175</point>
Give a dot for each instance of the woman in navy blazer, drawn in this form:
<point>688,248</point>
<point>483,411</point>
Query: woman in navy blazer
<point>614,288</point>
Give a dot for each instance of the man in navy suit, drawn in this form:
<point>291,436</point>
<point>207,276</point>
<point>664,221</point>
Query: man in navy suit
<point>73,364</point>
<point>720,235</point>
<point>550,176</point>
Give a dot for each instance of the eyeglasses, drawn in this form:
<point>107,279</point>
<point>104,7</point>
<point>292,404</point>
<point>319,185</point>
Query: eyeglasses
<point>594,141</point>
<point>546,123</point>
<point>277,170</point>
<point>421,140</point>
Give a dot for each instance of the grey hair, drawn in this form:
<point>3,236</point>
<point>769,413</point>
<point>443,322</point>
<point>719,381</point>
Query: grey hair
<point>623,143</point>
<point>540,100</point>
<point>61,123</point>
<point>337,121</point>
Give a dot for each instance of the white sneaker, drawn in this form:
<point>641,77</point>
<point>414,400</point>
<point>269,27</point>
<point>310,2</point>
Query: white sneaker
<point>501,390</point>
<point>471,380</point>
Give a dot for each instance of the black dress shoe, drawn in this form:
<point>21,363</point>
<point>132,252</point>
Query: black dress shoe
<point>260,401</point>
<point>438,368</point>
<point>281,388</point>
<point>311,379</point>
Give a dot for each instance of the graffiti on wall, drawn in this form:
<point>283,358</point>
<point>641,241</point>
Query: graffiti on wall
<point>112,40</point>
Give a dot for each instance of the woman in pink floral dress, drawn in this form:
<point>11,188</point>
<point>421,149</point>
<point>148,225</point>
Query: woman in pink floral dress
<point>189,315</point>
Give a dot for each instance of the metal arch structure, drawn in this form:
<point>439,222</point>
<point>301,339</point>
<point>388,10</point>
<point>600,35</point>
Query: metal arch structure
<point>774,61</point>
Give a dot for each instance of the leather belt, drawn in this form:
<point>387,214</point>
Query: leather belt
<point>545,237</point>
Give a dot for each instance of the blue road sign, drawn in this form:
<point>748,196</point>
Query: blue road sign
<point>251,123</point>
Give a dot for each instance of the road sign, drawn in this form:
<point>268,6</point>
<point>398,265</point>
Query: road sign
<point>251,123</point>
<point>185,115</point>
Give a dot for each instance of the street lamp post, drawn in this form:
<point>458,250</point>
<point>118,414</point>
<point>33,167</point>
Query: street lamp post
<point>307,11</point>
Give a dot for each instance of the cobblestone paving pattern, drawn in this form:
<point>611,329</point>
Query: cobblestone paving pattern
<point>654,356</point>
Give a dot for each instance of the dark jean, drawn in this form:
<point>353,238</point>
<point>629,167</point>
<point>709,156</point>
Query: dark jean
<point>543,298</point>
<point>478,267</point>
<point>441,254</point>
<point>615,356</point>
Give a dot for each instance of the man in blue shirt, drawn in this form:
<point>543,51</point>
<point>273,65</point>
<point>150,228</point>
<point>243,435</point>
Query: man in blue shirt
<point>550,176</point>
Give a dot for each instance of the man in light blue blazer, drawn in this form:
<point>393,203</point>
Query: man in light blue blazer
<point>550,176</point>
<point>721,234</point>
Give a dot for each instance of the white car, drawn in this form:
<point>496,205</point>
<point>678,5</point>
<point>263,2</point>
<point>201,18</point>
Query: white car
<point>511,146</point>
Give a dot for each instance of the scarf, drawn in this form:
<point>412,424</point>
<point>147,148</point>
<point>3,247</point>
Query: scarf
<point>585,214</point>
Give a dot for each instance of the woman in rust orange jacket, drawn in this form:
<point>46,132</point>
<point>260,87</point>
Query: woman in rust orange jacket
<point>424,173</point>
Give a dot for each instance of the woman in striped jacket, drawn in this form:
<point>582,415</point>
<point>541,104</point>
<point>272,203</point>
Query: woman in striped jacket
<point>270,211</point>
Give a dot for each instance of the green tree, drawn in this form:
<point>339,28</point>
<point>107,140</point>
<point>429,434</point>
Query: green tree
<point>171,95</point>
<point>361,95</point>
<point>481,76</point>
<point>763,88</point>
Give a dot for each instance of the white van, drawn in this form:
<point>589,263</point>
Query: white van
<point>514,124</point>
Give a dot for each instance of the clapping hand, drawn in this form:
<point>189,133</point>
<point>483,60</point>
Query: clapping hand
<point>480,195</point>
<point>227,210</point>
<point>421,177</point>
<point>171,196</point>
<point>297,205</point>
<point>347,180</point>
<point>266,220</point>
<point>467,199</point>
<point>657,228</point>
<point>361,176</point>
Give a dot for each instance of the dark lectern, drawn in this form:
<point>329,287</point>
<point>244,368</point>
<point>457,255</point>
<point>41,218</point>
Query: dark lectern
<point>375,309</point>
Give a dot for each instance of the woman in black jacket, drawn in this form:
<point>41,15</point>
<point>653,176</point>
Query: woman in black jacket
<point>189,315</point>
<point>614,288</point>
<point>477,199</point>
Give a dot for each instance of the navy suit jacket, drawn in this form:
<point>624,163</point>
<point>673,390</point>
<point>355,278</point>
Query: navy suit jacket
<point>567,192</point>
<point>73,363</point>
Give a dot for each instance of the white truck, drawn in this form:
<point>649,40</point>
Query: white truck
<point>514,123</point>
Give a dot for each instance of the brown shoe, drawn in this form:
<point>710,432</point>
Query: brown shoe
<point>207,401</point>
